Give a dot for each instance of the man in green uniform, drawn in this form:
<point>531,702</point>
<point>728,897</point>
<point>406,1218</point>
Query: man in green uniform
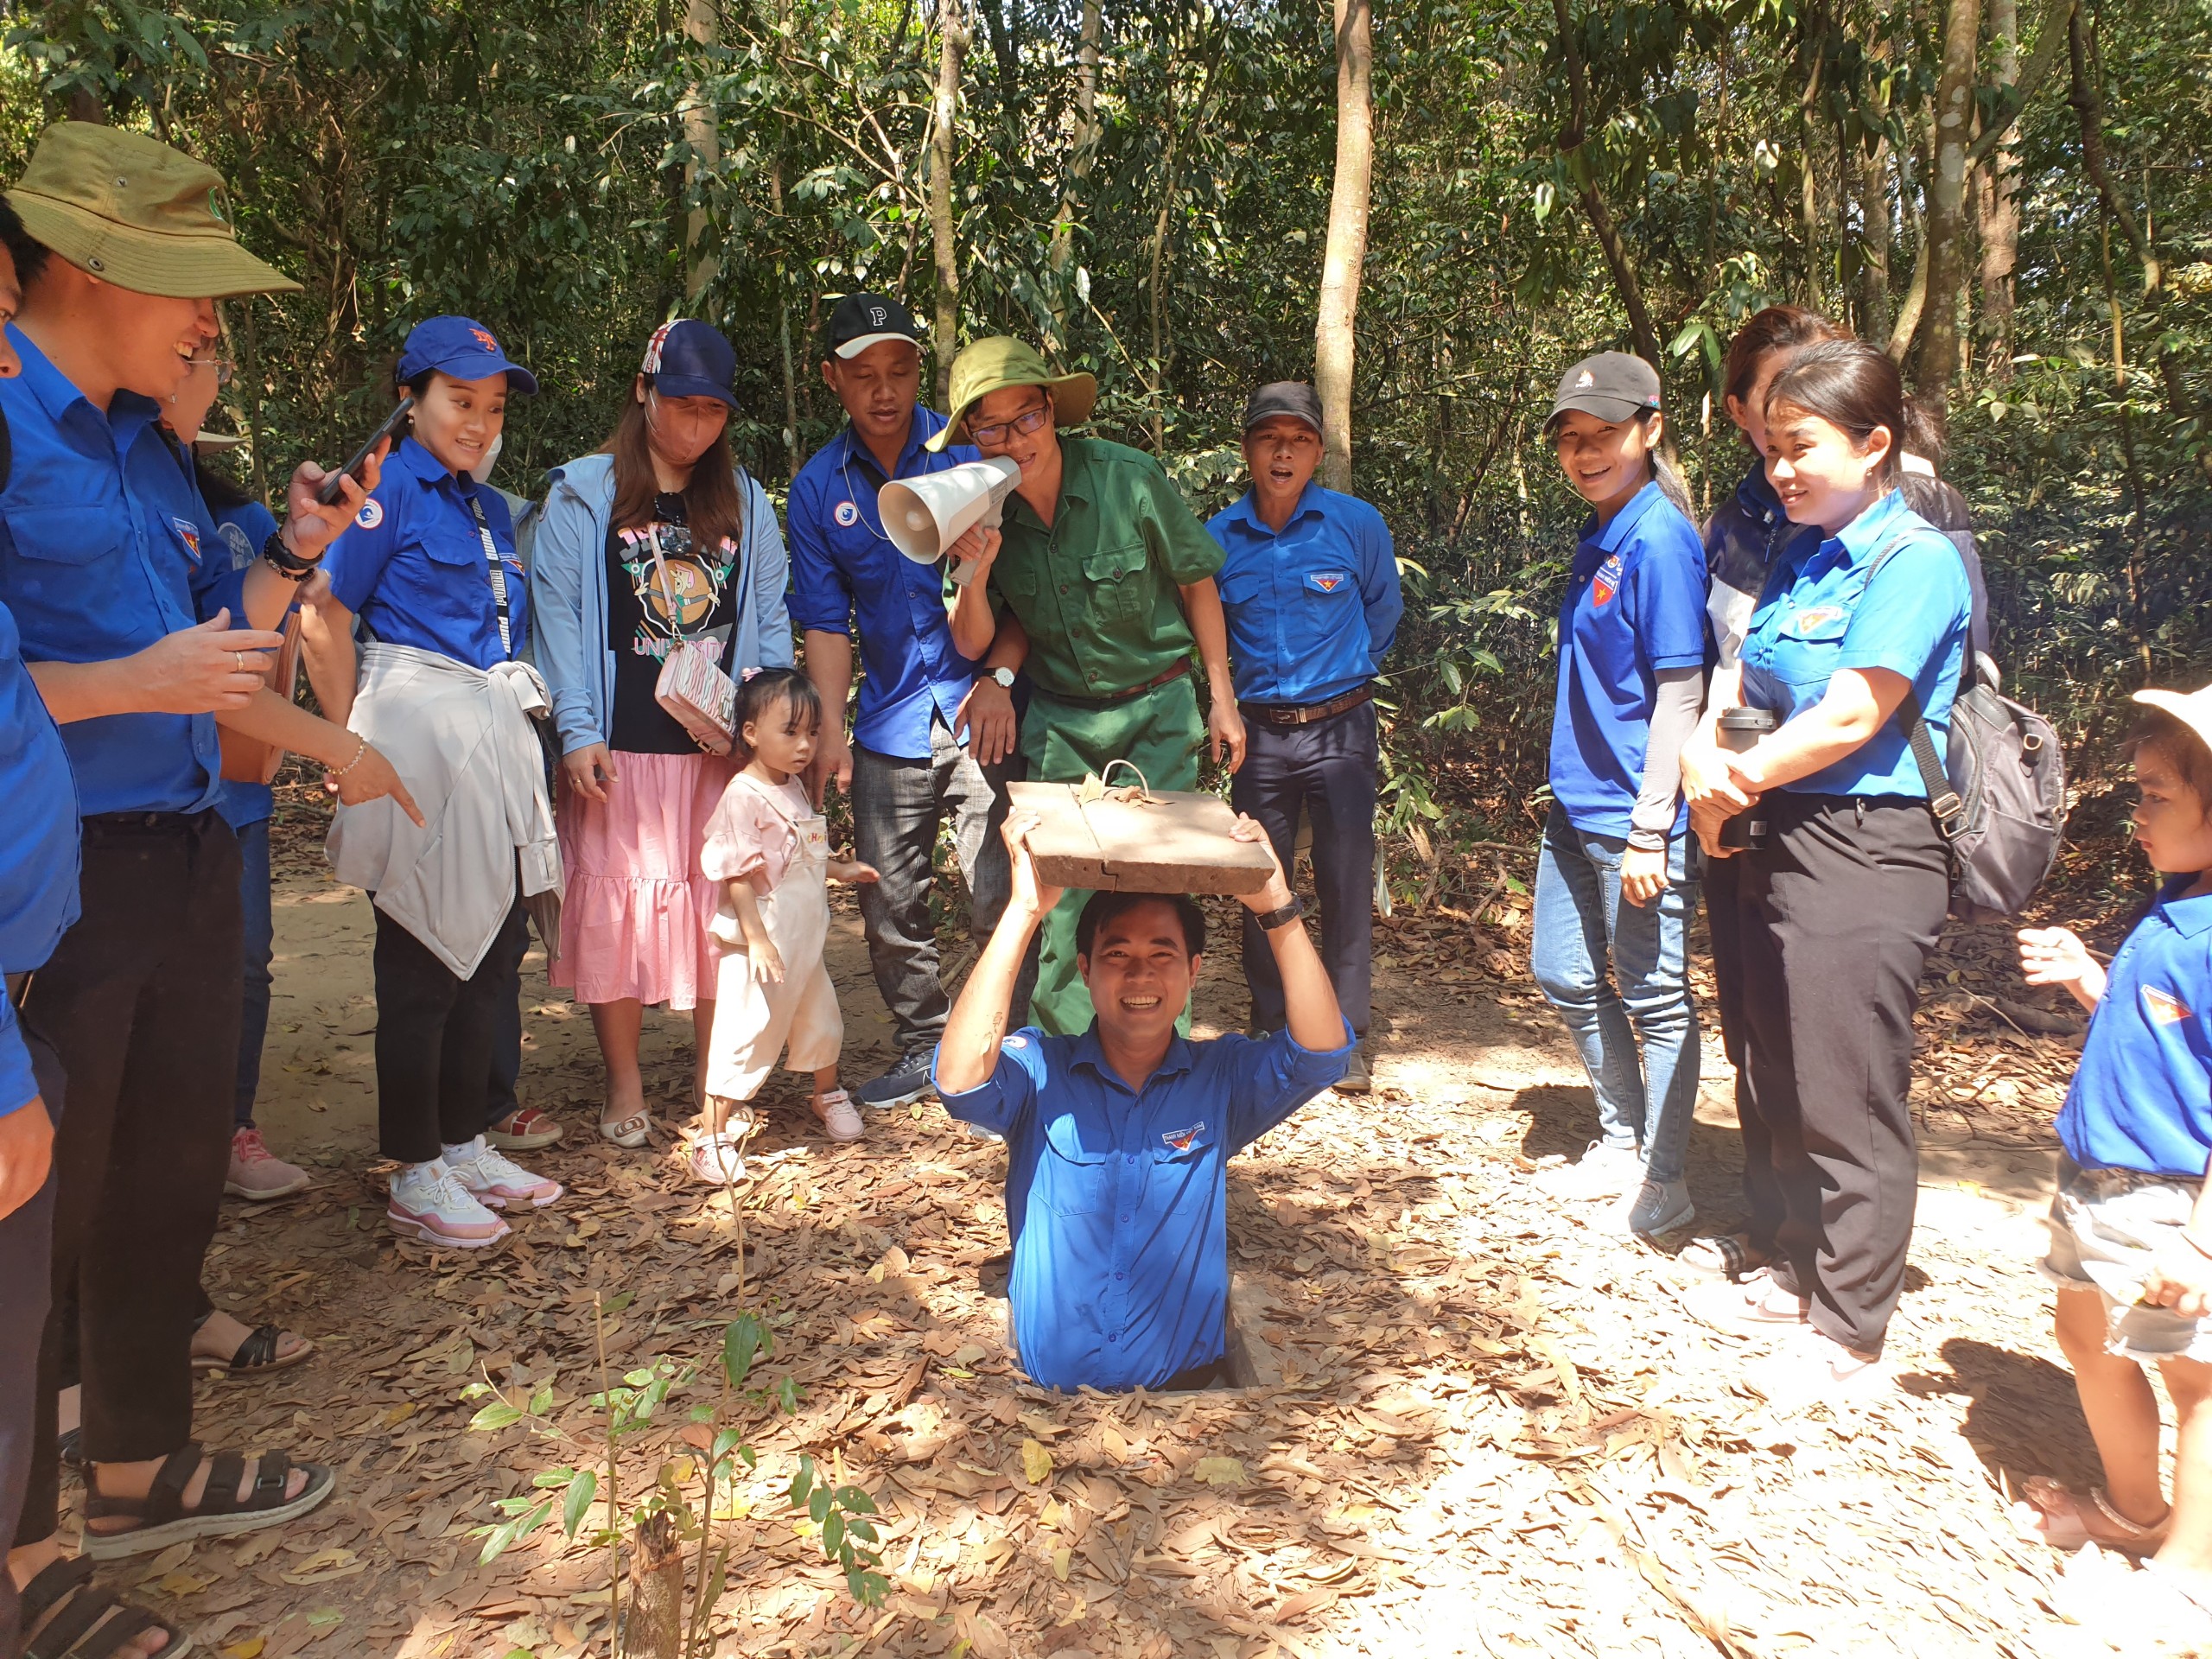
<point>1111,577</point>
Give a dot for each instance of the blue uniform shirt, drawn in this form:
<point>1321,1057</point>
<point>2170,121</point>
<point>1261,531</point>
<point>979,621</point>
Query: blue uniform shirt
<point>38,849</point>
<point>105,548</point>
<point>1313,608</point>
<point>1634,603</point>
<point>1820,612</point>
<point>2142,1096</point>
<point>843,564</point>
<point>242,532</point>
<point>412,565</point>
<point>1117,1202</point>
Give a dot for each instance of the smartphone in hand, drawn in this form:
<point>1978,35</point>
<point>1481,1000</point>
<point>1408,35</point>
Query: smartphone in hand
<point>335,486</point>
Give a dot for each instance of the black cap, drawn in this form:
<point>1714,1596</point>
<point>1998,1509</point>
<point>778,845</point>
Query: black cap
<point>1613,385</point>
<point>1291,397</point>
<point>864,319</point>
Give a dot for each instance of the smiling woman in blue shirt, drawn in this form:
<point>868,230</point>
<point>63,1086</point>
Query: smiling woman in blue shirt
<point>1309,586</point>
<point>1859,626</point>
<point>428,566</point>
<point>1119,1138</point>
<point>1616,873</point>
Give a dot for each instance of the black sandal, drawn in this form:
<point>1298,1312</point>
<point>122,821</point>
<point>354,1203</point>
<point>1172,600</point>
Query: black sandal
<point>257,1352</point>
<point>163,1520</point>
<point>70,1635</point>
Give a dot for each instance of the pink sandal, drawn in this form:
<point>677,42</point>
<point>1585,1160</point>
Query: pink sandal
<point>2066,1524</point>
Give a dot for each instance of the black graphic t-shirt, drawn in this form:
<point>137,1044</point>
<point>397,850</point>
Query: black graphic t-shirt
<point>644,616</point>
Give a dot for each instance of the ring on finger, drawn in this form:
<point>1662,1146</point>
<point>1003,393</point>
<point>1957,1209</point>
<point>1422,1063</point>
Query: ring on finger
<point>238,657</point>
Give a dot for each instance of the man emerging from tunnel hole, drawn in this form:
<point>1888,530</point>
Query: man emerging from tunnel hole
<point>1118,1139</point>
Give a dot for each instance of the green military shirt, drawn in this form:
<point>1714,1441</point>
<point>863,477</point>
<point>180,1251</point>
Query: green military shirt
<point>1096,593</point>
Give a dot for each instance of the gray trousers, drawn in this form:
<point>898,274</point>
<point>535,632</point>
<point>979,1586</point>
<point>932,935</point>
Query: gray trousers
<point>898,808</point>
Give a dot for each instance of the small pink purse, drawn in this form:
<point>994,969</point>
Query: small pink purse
<point>692,686</point>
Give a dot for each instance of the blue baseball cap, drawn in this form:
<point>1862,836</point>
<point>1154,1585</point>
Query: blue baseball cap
<point>463,348</point>
<point>690,359</point>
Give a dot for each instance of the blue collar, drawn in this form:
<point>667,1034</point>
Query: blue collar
<point>1624,522</point>
<point>411,460</point>
<point>1088,1053</point>
<point>57,394</point>
<point>1757,493</point>
<point>1867,534</point>
<point>2187,917</point>
<point>1246,510</point>
<point>924,426</point>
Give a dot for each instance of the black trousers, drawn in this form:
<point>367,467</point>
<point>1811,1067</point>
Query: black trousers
<point>436,1033</point>
<point>26,1294</point>
<point>506,1035</point>
<point>1329,768</point>
<point>1833,922</point>
<point>141,1005</point>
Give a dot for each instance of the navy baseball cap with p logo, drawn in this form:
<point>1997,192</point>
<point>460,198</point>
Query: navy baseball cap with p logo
<point>864,319</point>
<point>691,359</point>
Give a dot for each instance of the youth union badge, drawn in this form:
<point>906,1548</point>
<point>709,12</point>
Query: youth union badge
<point>371,515</point>
<point>189,533</point>
<point>847,514</point>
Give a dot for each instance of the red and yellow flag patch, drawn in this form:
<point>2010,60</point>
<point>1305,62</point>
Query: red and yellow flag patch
<point>2164,1008</point>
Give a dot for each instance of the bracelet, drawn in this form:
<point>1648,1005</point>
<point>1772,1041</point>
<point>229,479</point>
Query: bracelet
<point>285,563</point>
<point>341,770</point>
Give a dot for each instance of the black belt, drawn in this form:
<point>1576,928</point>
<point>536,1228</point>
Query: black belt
<point>126,822</point>
<point>1181,667</point>
<point>1284,714</point>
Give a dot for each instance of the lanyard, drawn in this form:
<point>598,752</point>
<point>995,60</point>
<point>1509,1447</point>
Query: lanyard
<point>499,574</point>
<point>845,473</point>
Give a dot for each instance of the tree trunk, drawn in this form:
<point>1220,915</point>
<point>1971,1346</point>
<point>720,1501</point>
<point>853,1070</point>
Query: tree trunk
<point>1998,197</point>
<point>1086,147</point>
<point>1645,336</point>
<point>1345,256</point>
<point>700,27</point>
<point>85,105</point>
<point>2090,108</point>
<point>943,137</point>
<point>1874,243</point>
<point>654,1628</point>
<point>1945,231</point>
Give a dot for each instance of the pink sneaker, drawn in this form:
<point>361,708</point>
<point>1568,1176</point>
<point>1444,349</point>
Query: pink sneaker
<point>428,1203</point>
<point>840,1121</point>
<point>494,1180</point>
<point>258,1174</point>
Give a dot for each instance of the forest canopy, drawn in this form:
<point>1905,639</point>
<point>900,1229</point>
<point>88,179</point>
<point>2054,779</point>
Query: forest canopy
<point>2014,197</point>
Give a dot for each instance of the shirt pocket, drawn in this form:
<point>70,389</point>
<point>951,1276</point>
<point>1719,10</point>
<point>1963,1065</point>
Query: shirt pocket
<point>1073,1180</point>
<point>1114,582</point>
<point>1326,605</point>
<point>80,535</point>
<point>1806,641</point>
<point>1176,1169</point>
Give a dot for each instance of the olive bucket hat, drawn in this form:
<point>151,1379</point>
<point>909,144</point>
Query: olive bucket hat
<point>995,364</point>
<point>136,213</point>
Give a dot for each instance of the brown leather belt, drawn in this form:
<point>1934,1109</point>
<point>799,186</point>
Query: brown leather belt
<point>1181,667</point>
<point>1280,714</point>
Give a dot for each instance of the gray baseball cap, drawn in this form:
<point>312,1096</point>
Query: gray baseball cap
<point>1291,397</point>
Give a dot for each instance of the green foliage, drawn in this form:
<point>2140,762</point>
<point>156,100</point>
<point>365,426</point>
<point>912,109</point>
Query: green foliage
<point>848,1535</point>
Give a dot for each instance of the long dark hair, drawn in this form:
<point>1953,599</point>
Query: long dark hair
<point>713,508</point>
<point>1852,386</point>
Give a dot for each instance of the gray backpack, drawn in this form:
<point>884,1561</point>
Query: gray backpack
<point>1999,797</point>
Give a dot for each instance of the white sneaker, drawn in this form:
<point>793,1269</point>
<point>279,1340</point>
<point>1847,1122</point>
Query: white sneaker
<point>428,1203</point>
<point>496,1180</point>
<point>1656,1207</point>
<point>1604,1172</point>
<point>1812,1368</point>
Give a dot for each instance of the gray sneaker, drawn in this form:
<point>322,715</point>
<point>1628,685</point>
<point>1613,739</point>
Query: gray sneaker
<point>902,1085</point>
<point>1658,1207</point>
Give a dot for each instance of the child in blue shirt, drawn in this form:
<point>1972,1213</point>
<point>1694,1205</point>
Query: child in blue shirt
<point>2131,1224</point>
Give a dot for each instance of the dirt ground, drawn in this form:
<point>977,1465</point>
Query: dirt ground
<point>1497,1432</point>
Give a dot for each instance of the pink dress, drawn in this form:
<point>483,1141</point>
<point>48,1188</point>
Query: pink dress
<point>634,919</point>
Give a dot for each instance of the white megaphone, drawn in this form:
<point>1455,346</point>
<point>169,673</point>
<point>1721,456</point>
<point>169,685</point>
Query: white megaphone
<point>924,516</point>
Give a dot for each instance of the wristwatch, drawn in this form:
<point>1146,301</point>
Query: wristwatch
<point>1273,920</point>
<point>1004,676</point>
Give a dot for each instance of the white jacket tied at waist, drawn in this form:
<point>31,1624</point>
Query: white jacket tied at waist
<point>462,741</point>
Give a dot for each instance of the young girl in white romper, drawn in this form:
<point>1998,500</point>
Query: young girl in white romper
<point>769,849</point>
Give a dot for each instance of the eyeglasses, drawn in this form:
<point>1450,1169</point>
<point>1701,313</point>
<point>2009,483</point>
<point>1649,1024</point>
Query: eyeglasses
<point>223,368</point>
<point>992,436</point>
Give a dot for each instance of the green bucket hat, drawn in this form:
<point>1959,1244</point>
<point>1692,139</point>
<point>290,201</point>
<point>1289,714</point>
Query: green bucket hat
<point>136,213</point>
<point>1001,361</point>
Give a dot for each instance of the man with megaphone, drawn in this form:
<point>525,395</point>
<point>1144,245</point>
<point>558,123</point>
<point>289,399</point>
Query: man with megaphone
<point>1111,577</point>
<point>934,731</point>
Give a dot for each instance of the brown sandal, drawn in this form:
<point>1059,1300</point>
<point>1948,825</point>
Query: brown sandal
<point>67,1586</point>
<point>162,1520</point>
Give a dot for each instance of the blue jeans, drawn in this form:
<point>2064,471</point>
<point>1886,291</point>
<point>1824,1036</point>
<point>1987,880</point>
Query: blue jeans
<point>1617,974</point>
<point>260,944</point>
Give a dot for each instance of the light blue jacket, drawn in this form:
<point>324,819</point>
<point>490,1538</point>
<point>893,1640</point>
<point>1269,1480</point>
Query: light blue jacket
<point>568,595</point>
